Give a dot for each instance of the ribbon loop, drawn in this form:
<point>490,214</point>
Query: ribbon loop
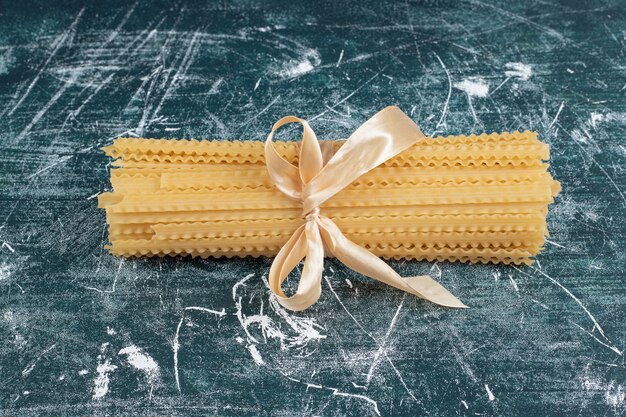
<point>317,178</point>
<point>306,243</point>
<point>287,177</point>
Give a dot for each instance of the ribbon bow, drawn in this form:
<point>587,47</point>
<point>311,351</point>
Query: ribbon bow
<point>315,180</point>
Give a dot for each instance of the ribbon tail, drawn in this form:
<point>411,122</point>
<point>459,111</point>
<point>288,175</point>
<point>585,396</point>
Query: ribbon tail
<point>306,243</point>
<point>361,260</point>
<point>433,291</point>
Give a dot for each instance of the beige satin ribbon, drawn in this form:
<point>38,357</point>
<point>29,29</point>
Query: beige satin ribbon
<point>313,182</point>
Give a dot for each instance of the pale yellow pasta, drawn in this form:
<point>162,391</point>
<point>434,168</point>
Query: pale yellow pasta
<point>460,198</point>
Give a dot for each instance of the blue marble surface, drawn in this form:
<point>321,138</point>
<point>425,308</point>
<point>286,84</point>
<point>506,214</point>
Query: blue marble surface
<point>83,332</point>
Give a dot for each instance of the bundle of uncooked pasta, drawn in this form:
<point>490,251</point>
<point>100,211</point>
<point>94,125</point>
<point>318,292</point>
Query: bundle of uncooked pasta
<point>457,198</point>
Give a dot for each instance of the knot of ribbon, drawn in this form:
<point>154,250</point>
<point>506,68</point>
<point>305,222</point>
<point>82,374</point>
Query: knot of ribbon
<point>320,175</point>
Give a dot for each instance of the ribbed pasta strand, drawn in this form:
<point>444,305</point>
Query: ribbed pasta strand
<point>478,198</point>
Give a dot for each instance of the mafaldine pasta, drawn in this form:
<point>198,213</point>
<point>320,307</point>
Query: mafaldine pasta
<point>457,198</point>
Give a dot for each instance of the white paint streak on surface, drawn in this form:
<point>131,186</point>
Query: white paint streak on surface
<point>500,85</point>
<point>514,284</point>
<point>26,371</point>
<point>256,355</point>
<point>435,271</point>
<point>382,348</point>
<point>473,87</point>
<point>442,120</point>
<point>114,285</point>
<point>568,292</point>
<point>596,325</point>
<point>101,382</point>
<point>613,348</point>
<point>612,392</point>
<point>336,392</point>
<point>556,117</point>
<point>360,326</point>
<point>44,169</point>
<point>56,45</point>
<point>597,118</point>
<point>489,393</point>
<point>220,313</point>
<point>614,395</point>
<point>303,329</point>
<point>6,61</point>
<point>340,58</point>
<point>140,360</point>
<point>307,63</point>
<point>46,107</point>
<point>103,369</point>
<point>176,343</point>
<point>175,348</point>
<point>555,244</point>
<point>346,98</point>
<point>362,397</point>
<point>578,137</point>
<point>306,329</point>
<point>5,271</point>
<point>518,70</point>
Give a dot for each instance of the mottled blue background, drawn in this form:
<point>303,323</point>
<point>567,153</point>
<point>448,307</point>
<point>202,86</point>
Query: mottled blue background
<point>82,332</point>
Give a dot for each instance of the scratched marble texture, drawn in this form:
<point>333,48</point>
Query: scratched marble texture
<point>83,332</point>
